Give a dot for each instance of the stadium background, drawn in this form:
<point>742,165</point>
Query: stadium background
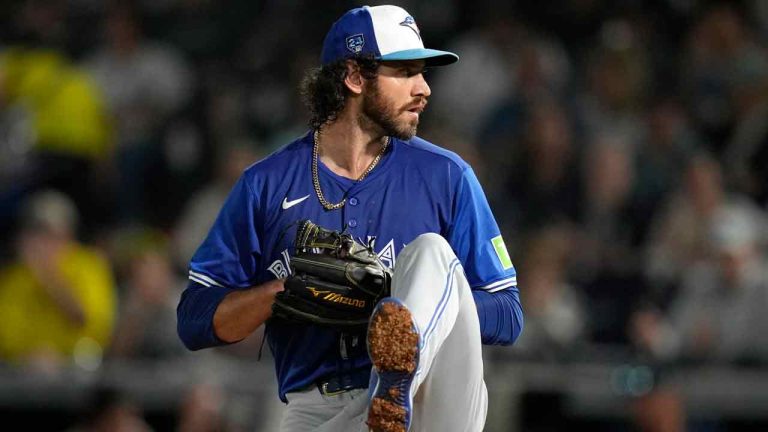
<point>622,146</point>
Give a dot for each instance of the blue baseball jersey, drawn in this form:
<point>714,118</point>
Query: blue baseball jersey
<point>416,188</point>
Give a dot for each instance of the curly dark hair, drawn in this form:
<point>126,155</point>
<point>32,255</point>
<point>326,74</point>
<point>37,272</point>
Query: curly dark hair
<point>324,92</point>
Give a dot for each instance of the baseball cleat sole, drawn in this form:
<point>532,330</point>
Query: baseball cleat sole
<point>393,345</point>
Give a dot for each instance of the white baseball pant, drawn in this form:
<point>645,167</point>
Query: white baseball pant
<point>450,391</point>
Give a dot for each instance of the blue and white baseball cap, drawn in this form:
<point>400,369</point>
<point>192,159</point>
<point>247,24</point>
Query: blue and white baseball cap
<point>387,32</point>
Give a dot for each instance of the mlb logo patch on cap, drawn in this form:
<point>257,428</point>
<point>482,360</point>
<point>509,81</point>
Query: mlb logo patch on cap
<point>386,33</point>
<point>355,43</point>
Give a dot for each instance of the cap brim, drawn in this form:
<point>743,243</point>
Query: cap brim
<point>431,56</point>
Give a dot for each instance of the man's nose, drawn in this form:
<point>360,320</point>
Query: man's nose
<point>421,88</point>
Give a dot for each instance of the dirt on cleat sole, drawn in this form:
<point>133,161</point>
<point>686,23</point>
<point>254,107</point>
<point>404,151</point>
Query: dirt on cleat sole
<point>393,341</point>
<point>393,347</point>
<point>386,416</point>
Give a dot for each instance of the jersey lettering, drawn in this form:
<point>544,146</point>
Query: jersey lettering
<point>387,254</point>
<point>279,268</point>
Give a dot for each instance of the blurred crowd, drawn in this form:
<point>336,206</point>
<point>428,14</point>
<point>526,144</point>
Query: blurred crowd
<point>623,147</point>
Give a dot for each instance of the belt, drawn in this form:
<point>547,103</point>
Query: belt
<point>339,383</point>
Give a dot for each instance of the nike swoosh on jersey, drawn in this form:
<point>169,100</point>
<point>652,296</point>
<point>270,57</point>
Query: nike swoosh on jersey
<point>288,204</point>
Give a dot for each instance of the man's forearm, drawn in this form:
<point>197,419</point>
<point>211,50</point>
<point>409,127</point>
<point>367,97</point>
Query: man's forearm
<point>242,312</point>
<point>212,315</point>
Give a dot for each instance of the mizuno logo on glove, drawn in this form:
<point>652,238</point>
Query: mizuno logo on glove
<point>338,298</point>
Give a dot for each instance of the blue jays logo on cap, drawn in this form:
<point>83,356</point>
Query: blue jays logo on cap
<point>411,24</point>
<point>355,43</point>
<point>378,32</point>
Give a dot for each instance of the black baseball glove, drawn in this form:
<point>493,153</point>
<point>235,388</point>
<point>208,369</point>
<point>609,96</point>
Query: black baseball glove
<point>335,281</point>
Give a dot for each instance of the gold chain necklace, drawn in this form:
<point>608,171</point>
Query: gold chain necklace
<point>316,178</point>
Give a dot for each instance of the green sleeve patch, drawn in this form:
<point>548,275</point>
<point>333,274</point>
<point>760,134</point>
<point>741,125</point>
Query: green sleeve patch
<point>501,252</point>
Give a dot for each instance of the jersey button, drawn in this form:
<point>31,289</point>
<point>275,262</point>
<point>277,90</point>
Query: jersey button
<point>352,223</point>
<point>353,201</point>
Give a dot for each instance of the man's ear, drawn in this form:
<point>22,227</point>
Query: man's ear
<point>354,79</point>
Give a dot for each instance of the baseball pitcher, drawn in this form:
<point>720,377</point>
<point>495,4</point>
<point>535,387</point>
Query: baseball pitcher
<point>370,254</point>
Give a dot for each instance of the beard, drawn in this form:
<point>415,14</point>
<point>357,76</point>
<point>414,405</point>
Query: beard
<point>383,114</point>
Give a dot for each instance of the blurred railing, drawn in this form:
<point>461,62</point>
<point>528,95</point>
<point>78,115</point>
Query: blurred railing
<point>585,389</point>
<point>605,390</point>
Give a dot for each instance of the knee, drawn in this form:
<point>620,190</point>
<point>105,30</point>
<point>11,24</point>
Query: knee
<point>430,247</point>
<point>430,241</point>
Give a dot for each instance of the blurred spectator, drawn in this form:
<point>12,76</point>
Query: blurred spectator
<point>746,154</point>
<point>543,72</point>
<point>719,313</point>
<point>723,66</point>
<point>608,226</point>
<point>731,55</point>
<point>226,108</point>
<point>57,299</point>
<point>607,265</point>
<point>542,183</point>
<point>555,312</point>
<point>41,23</point>
<point>489,52</point>
<point>660,160</point>
<point>146,322</point>
<point>617,79</point>
<point>145,83</point>
<point>544,68</point>
<point>536,101</point>
<point>110,410</point>
<point>201,410</point>
<point>68,130</point>
<point>680,233</point>
<point>200,212</point>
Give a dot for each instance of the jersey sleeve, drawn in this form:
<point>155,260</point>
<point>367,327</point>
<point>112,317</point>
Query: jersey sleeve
<point>226,260</point>
<point>476,239</point>
<point>231,253</point>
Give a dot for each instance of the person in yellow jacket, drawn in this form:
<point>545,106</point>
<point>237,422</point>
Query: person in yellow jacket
<point>58,299</point>
<point>68,138</point>
<point>67,110</point>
